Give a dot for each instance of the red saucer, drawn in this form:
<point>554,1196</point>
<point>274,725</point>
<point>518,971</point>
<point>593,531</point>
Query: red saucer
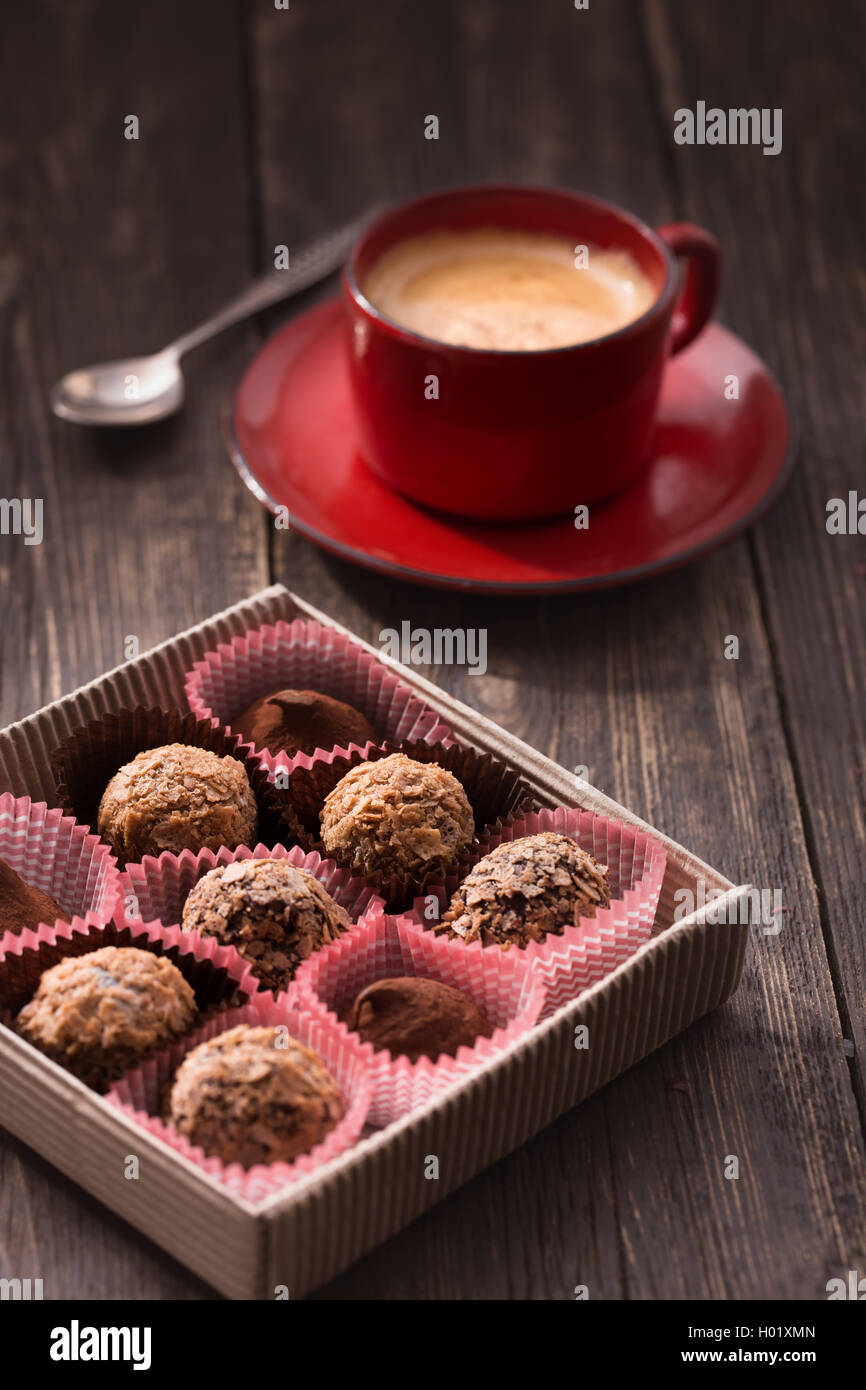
<point>717,464</point>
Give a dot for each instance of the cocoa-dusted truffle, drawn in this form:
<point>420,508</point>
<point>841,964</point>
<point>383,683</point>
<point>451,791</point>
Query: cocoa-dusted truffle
<point>100,1014</point>
<point>22,906</point>
<point>526,889</point>
<point>274,914</point>
<point>174,798</point>
<point>398,816</point>
<point>300,721</point>
<point>414,1017</point>
<point>252,1095</point>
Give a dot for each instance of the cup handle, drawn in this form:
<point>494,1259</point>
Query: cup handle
<point>699,253</point>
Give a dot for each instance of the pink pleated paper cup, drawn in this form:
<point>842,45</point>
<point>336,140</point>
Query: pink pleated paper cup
<point>583,954</point>
<point>140,1094</point>
<point>53,852</point>
<point>217,975</point>
<point>503,985</point>
<point>154,891</point>
<point>304,655</point>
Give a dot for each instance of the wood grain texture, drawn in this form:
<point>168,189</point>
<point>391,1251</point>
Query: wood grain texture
<point>319,112</point>
<point>112,247</point>
<point>792,228</point>
<point>634,684</point>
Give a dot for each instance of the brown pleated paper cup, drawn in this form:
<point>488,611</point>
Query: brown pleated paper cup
<point>217,975</point>
<point>494,790</point>
<point>84,763</point>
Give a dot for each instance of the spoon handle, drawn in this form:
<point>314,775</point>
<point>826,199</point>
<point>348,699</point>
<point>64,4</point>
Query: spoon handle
<point>317,260</point>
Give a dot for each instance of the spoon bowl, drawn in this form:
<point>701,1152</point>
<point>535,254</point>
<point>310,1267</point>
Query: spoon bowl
<point>134,391</point>
<point>139,390</point>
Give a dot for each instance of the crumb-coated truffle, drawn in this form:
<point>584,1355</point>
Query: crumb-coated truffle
<point>274,914</point>
<point>174,798</point>
<point>22,906</point>
<point>100,1014</point>
<point>526,889</point>
<point>414,1017</point>
<point>398,816</point>
<point>254,1095</point>
<point>300,721</point>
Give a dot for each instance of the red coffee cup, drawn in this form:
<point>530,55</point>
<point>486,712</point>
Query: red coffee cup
<point>521,435</point>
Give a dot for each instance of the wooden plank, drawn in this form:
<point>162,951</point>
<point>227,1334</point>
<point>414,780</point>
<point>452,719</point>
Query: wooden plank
<point>791,226</point>
<point>111,247</point>
<point>627,1194</point>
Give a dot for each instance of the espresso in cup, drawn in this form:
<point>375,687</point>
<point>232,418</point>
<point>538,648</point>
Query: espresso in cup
<point>451,301</point>
<point>507,290</point>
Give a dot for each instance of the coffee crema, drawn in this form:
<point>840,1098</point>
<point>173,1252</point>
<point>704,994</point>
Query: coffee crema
<point>507,290</point>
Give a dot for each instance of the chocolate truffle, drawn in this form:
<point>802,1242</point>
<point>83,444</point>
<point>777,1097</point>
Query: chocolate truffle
<point>177,797</point>
<point>414,1018</point>
<point>23,907</point>
<point>254,1095</point>
<point>398,816</point>
<point>300,721</point>
<point>274,914</point>
<point>526,889</point>
<point>100,1014</point>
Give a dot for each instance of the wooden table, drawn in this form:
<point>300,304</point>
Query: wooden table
<point>261,126</point>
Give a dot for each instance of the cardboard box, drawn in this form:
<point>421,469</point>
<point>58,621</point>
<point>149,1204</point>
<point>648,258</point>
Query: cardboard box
<point>303,1237</point>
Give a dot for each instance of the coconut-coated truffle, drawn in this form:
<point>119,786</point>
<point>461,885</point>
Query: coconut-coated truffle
<point>414,1017</point>
<point>254,1095</point>
<point>398,816</point>
<point>274,914</point>
<point>526,889</point>
<point>174,798</point>
<point>101,1014</point>
<point>300,721</point>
